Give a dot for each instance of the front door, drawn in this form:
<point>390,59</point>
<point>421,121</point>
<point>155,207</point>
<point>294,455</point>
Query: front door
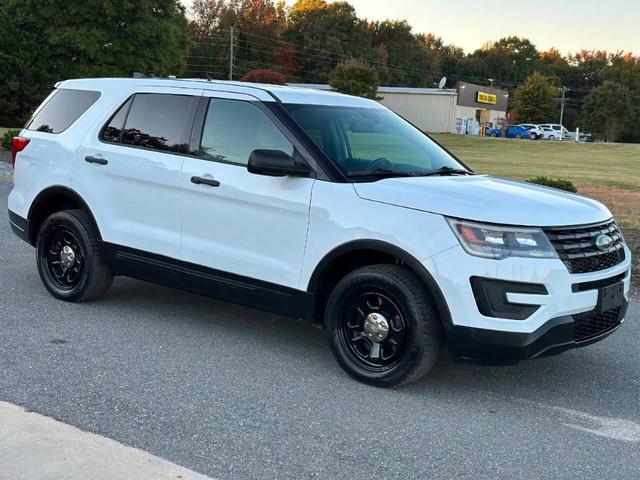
<point>241,229</point>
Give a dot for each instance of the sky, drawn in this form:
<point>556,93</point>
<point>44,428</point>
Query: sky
<point>568,25</point>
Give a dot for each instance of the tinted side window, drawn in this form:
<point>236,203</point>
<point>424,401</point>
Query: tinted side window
<point>234,128</point>
<point>112,131</point>
<point>62,109</point>
<point>160,121</point>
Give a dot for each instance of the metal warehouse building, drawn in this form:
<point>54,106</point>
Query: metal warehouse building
<point>437,110</point>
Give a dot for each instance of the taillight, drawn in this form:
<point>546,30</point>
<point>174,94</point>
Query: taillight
<point>17,145</point>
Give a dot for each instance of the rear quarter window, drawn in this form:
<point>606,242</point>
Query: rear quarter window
<point>62,110</point>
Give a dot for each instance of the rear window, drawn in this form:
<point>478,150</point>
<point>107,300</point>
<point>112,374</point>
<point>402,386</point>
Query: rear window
<point>62,109</point>
<point>159,121</point>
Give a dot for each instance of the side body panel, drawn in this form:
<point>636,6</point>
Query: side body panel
<point>136,197</point>
<point>340,216</point>
<point>250,225</point>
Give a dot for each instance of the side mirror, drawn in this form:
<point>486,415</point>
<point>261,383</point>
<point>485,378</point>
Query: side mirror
<point>276,163</point>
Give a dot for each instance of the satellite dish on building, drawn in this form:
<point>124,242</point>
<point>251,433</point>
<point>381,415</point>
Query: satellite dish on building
<point>443,82</point>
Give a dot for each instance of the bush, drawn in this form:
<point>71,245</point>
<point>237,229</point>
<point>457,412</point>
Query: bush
<point>558,183</point>
<point>264,76</point>
<point>354,77</point>
<point>5,140</point>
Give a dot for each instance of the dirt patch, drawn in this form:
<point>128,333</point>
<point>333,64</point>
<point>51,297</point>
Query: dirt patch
<point>625,204</point>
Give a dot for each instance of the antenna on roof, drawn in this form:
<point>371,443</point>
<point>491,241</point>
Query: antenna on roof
<point>443,83</point>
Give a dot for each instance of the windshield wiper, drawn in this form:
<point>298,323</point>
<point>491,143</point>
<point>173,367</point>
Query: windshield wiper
<point>382,172</point>
<point>444,171</point>
<point>387,172</point>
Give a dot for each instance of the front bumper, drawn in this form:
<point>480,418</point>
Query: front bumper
<point>555,336</point>
<point>558,313</point>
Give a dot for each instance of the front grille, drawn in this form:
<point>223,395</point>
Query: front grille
<point>576,246</point>
<point>589,325</point>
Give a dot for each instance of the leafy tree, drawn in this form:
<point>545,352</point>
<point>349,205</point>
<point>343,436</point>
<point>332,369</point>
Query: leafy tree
<point>264,76</point>
<point>624,69</point>
<point>42,42</point>
<point>325,34</point>
<point>355,78</point>
<point>410,59</point>
<point>608,110</point>
<point>589,66</point>
<point>535,101</point>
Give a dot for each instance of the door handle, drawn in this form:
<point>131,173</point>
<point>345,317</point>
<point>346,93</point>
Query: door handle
<point>99,161</point>
<point>205,181</point>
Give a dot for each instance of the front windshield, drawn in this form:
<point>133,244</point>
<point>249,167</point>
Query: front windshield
<point>361,140</point>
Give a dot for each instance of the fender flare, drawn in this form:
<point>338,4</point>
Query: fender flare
<point>413,263</point>
<point>49,192</point>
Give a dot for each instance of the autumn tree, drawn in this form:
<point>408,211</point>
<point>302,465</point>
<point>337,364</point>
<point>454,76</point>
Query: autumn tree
<point>264,76</point>
<point>535,101</point>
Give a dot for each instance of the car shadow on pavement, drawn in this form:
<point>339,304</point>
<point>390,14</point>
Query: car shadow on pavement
<point>602,371</point>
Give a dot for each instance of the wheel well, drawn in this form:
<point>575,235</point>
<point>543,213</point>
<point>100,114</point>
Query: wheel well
<point>49,202</point>
<point>346,259</point>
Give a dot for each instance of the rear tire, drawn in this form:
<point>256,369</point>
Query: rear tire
<point>69,257</point>
<point>359,308</point>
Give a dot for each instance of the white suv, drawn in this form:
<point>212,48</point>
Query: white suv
<point>535,131</point>
<point>313,205</point>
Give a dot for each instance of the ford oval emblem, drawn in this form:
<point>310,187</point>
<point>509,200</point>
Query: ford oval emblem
<point>604,242</point>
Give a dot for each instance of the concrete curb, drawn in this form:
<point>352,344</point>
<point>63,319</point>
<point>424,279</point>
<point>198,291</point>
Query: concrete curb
<point>35,447</point>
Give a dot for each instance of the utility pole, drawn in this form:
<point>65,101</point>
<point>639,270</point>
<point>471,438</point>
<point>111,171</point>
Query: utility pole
<point>564,91</point>
<point>231,42</point>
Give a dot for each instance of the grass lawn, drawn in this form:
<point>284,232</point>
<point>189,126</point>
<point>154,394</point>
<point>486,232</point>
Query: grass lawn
<point>614,165</point>
<point>607,172</point>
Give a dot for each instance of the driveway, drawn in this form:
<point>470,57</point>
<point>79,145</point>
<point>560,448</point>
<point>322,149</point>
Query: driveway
<point>234,393</point>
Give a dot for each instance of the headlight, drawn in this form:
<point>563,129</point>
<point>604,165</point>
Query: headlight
<point>492,241</point>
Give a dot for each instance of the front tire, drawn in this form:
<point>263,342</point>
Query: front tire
<point>69,257</point>
<point>382,325</point>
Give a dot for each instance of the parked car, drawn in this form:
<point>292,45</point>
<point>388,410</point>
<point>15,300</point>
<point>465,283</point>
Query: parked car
<point>549,133</point>
<point>517,131</point>
<point>560,132</point>
<point>512,131</point>
<point>494,132</point>
<point>284,199</point>
<point>535,131</point>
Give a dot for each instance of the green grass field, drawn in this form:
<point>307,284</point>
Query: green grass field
<point>614,165</point>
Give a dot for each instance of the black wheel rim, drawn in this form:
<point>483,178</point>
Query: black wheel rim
<point>374,356</point>
<point>64,258</point>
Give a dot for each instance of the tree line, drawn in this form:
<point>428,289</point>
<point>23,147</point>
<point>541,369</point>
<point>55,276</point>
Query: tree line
<point>43,41</point>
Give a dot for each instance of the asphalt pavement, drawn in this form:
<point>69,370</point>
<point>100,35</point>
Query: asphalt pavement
<point>234,393</point>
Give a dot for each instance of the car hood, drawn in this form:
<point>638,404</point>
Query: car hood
<point>486,199</point>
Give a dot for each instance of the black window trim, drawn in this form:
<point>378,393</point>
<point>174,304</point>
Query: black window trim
<point>53,93</point>
<point>198,129</point>
<point>129,101</point>
<point>185,136</point>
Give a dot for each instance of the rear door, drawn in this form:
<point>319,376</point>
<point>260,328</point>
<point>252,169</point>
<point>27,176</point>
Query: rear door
<point>239,225</point>
<point>130,172</point>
